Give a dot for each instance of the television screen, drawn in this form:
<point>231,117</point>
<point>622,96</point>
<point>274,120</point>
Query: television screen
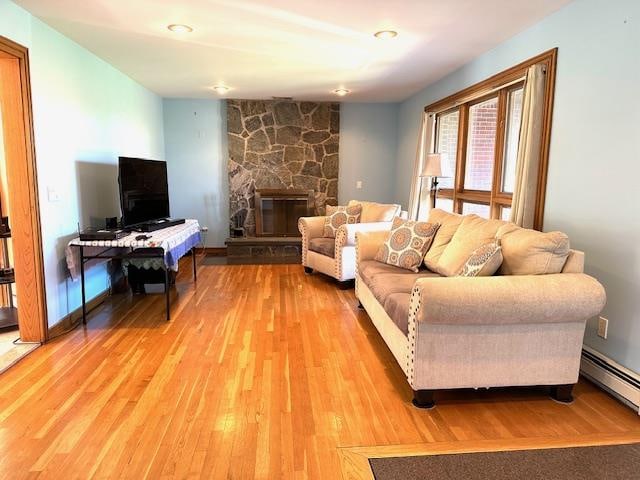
<point>144,192</point>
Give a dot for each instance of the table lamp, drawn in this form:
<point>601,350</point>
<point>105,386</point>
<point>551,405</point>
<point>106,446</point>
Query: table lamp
<point>433,168</point>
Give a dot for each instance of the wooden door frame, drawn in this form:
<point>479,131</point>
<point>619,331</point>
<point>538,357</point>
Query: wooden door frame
<point>24,205</point>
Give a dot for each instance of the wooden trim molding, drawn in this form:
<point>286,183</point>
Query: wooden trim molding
<point>215,251</point>
<point>485,87</point>
<point>70,321</point>
<point>17,116</point>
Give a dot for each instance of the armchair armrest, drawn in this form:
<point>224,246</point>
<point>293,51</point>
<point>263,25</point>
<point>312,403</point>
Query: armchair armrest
<point>346,234</point>
<point>368,243</point>
<point>508,299</point>
<point>311,227</point>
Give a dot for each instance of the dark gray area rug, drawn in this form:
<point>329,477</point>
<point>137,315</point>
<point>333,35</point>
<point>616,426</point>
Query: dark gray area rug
<point>619,462</point>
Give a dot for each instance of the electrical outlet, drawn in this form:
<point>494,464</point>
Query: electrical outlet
<point>204,229</point>
<point>359,184</point>
<point>603,327</point>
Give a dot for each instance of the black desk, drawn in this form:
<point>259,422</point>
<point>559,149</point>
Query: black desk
<point>178,240</point>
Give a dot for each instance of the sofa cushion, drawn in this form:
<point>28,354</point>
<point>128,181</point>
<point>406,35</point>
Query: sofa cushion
<point>472,233</point>
<point>387,284</point>
<point>407,243</point>
<point>323,245</point>
<point>384,280</point>
<point>449,223</point>
<point>529,252</point>
<point>368,269</point>
<point>397,307</point>
<point>484,261</point>
<point>377,212</point>
<point>340,215</point>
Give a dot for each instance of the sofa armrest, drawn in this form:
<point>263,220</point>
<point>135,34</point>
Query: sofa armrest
<point>508,299</point>
<point>346,234</point>
<point>368,243</point>
<point>311,227</point>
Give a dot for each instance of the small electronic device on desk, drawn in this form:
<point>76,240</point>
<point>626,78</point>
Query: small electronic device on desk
<point>89,234</point>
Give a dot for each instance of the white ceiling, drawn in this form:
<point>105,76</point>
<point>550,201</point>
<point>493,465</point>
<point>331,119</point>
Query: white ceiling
<point>298,48</point>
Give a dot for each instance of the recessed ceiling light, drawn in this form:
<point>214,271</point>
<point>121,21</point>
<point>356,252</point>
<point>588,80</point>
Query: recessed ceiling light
<point>221,89</point>
<point>341,91</point>
<point>180,28</point>
<point>385,34</point>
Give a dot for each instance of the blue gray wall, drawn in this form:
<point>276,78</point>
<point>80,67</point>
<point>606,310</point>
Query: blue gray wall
<point>196,154</point>
<point>594,167</point>
<point>368,143</point>
<point>86,114</point>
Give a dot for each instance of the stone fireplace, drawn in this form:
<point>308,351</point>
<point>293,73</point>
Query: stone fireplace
<point>281,145</point>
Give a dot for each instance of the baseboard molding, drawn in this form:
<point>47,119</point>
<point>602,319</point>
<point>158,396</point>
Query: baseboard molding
<point>216,251</point>
<point>71,320</point>
<point>611,376</point>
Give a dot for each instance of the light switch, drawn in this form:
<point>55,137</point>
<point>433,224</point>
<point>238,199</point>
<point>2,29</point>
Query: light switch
<point>359,184</point>
<point>52,194</point>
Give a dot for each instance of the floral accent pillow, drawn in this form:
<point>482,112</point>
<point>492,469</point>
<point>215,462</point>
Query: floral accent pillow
<point>337,216</point>
<point>484,261</point>
<point>407,243</point>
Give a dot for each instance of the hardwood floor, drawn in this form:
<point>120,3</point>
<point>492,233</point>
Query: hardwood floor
<point>263,372</point>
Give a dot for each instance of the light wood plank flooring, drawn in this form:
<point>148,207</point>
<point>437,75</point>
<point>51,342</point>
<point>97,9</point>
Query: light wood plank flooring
<point>263,372</point>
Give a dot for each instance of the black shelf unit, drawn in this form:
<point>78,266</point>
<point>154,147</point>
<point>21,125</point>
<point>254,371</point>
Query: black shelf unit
<point>9,313</point>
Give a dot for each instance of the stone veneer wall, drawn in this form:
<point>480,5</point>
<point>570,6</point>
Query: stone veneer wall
<point>281,144</point>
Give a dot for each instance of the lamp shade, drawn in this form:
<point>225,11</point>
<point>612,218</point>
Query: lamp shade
<point>432,166</point>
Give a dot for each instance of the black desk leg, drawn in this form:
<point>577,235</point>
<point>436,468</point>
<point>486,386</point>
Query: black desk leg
<point>84,301</point>
<point>166,291</point>
<point>195,274</point>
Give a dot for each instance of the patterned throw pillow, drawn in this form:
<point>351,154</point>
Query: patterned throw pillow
<point>484,261</point>
<point>407,243</point>
<point>337,216</point>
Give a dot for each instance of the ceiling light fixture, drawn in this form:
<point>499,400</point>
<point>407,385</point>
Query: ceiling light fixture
<point>221,89</point>
<point>180,28</point>
<point>385,34</point>
<point>341,91</point>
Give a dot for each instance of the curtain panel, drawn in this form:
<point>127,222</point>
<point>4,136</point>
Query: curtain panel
<point>523,205</point>
<point>425,145</point>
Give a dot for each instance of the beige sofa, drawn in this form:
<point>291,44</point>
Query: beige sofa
<point>473,332</point>
<point>336,257</point>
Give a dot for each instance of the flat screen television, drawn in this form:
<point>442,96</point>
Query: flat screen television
<point>144,191</point>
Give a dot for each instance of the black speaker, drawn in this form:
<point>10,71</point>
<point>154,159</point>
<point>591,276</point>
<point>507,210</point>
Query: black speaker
<point>111,223</point>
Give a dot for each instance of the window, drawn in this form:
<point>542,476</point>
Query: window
<point>447,145</point>
<point>477,133</point>
<point>489,132</point>
<point>512,136</point>
<point>481,209</point>
<point>481,145</point>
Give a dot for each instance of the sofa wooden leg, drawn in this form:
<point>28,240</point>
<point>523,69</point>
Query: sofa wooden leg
<point>308,270</point>
<point>346,285</point>
<point>424,398</point>
<point>562,393</point>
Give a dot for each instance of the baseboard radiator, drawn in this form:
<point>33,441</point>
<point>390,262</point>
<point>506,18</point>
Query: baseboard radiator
<point>613,377</point>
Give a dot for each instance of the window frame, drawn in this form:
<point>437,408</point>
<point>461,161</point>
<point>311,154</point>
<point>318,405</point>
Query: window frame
<point>500,86</point>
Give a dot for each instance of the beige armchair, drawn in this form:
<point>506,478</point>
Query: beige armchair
<point>336,257</point>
